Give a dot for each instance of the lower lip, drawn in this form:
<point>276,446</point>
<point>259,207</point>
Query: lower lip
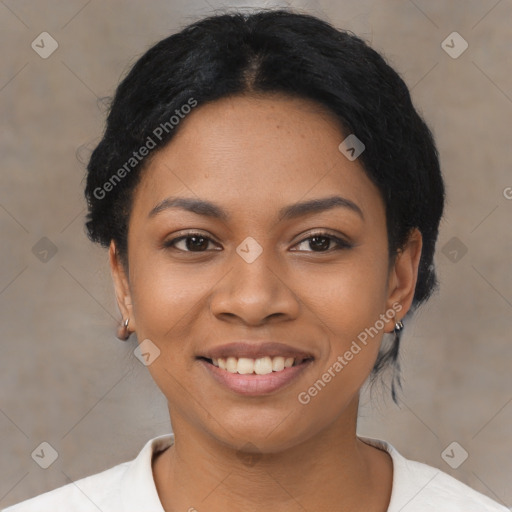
<point>252,384</point>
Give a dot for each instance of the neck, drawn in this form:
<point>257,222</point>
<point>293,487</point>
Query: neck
<point>332,470</point>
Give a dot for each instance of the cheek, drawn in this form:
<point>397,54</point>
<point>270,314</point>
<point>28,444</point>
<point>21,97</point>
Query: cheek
<point>166,305</point>
<point>348,297</point>
<point>166,299</point>
<point>348,305</point>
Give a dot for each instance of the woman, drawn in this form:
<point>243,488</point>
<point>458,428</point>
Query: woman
<point>271,202</point>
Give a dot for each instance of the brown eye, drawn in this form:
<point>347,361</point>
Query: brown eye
<point>193,242</point>
<point>321,242</point>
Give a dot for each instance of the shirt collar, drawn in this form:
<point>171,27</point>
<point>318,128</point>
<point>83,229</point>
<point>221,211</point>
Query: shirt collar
<point>138,485</point>
<point>139,489</point>
<point>409,477</point>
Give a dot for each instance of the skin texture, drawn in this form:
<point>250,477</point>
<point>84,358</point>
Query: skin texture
<point>252,156</point>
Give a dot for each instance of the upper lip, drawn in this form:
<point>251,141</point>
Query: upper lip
<point>255,350</point>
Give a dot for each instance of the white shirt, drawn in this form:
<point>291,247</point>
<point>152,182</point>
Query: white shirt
<point>130,487</point>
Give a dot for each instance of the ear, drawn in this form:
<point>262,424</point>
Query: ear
<point>121,285</point>
<point>404,275</point>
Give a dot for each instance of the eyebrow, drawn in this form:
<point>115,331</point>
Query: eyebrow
<point>208,209</point>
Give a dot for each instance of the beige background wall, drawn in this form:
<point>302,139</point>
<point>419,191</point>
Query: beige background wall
<point>65,379</point>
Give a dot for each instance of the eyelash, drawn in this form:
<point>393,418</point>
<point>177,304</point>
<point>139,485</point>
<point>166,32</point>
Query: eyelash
<point>341,244</point>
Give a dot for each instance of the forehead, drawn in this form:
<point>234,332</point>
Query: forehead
<point>256,152</point>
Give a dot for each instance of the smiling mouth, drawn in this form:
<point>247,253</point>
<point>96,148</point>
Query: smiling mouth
<point>259,366</point>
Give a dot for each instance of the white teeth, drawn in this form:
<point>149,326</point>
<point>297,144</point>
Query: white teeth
<point>260,366</point>
<point>278,364</point>
<point>245,365</point>
<point>231,364</point>
<point>263,366</point>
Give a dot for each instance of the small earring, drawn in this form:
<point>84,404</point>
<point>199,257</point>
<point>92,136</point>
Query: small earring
<point>122,331</point>
<point>398,327</point>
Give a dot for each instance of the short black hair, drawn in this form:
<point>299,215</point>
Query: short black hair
<point>264,52</point>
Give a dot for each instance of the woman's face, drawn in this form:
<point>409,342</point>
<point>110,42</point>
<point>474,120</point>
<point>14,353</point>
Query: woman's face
<point>256,276</point>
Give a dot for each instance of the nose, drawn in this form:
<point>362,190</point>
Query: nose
<point>254,292</point>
